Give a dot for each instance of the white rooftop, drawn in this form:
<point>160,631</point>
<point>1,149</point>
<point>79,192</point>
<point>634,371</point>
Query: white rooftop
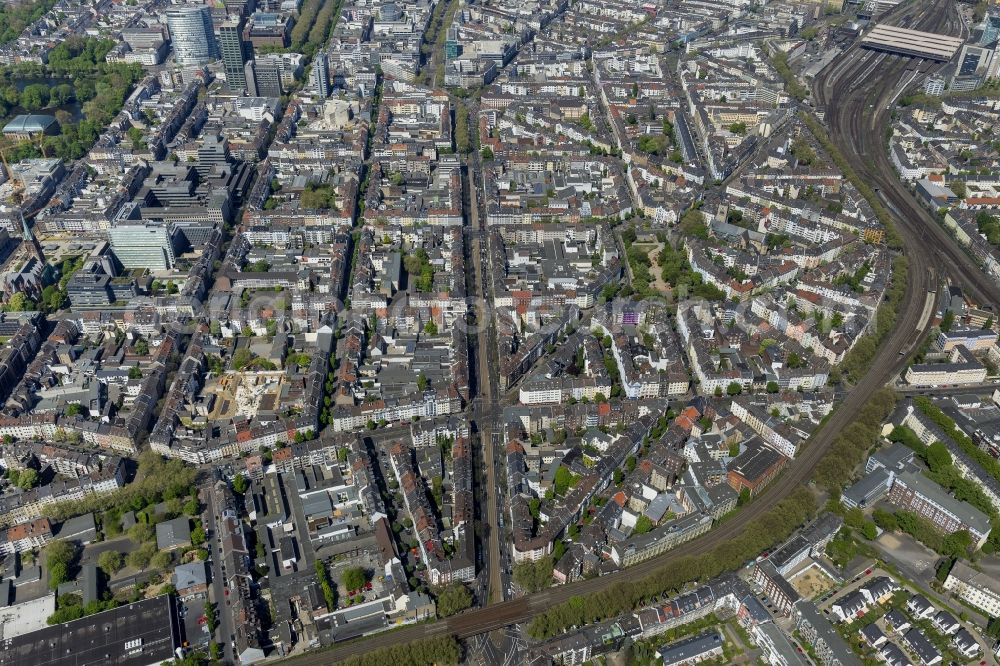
<point>27,617</point>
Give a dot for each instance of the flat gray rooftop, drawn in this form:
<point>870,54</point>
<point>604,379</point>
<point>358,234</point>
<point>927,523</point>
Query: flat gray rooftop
<point>912,42</point>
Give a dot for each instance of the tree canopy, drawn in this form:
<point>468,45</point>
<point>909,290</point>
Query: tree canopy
<point>353,578</point>
<point>533,576</point>
<point>111,561</point>
<point>453,599</point>
<point>442,651</point>
<point>319,196</point>
<point>59,557</point>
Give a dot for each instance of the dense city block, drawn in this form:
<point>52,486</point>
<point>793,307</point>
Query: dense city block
<point>498,332</point>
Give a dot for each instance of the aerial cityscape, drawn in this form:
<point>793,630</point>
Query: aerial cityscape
<point>500,332</point>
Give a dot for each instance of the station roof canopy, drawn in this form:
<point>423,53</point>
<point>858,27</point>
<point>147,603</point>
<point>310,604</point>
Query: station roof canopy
<point>904,41</point>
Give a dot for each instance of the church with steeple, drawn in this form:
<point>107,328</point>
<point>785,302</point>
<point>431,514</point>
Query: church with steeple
<point>31,244</point>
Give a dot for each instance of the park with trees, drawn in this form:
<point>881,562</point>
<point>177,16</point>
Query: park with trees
<point>76,77</point>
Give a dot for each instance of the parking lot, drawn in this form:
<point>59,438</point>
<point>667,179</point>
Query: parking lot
<point>916,559</point>
<point>192,612</point>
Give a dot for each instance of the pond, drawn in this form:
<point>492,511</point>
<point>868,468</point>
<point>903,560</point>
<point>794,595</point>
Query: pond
<point>73,108</point>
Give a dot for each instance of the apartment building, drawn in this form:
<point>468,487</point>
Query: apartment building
<point>972,338</point>
<point>775,433</point>
<point>962,368</point>
<point>26,536</point>
<point>917,493</point>
<point>975,588</point>
<point>830,648</point>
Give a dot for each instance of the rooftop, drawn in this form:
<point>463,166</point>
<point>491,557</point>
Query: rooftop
<point>689,649</point>
<point>963,511</point>
<point>138,634</point>
<point>973,578</point>
<point>28,124</point>
<point>904,40</point>
<point>756,461</point>
<point>807,611</point>
<point>190,575</point>
<point>173,533</point>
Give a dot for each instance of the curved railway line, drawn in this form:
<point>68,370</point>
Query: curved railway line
<point>857,91</point>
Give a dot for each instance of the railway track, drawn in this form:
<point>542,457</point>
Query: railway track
<point>848,88</point>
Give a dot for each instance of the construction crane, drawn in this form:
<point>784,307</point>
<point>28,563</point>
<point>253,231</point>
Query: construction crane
<point>17,196</point>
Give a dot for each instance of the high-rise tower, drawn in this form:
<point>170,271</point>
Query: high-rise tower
<point>236,53</point>
<point>192,36</point>
<point>320,76</point>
